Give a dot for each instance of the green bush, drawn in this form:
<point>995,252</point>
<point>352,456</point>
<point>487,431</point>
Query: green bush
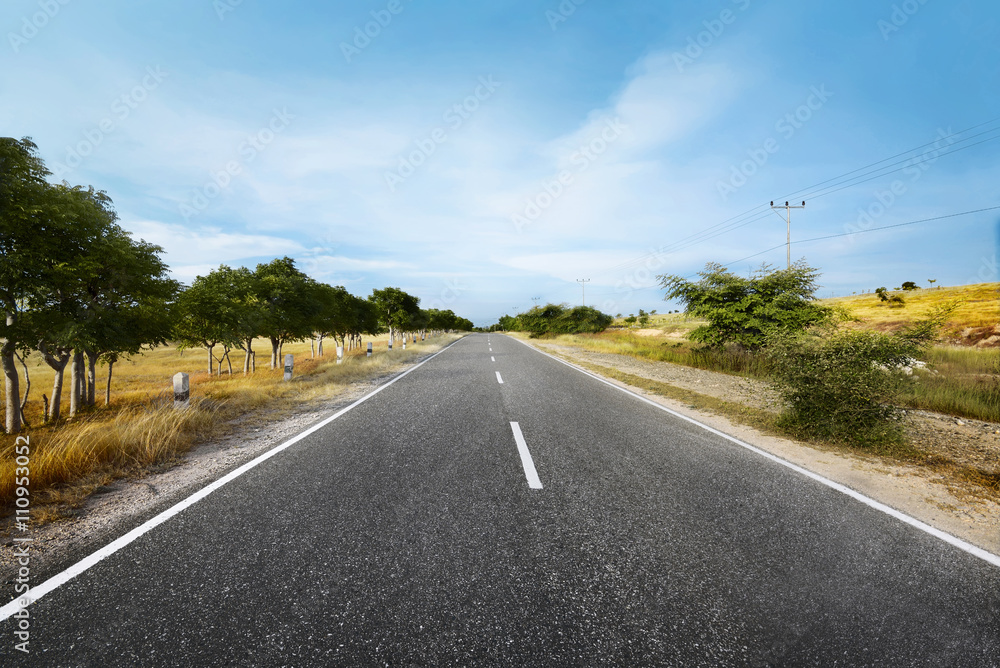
<point>748,310</point>
<point>842,387</point>
<point>560,319</point>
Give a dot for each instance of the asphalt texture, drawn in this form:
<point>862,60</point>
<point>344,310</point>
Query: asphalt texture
<point>404,533</point>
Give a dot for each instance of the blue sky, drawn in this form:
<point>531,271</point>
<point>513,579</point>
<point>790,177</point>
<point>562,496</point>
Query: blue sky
<point>479,155</point>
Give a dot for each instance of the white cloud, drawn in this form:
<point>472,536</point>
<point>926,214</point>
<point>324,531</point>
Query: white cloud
<point>208,246</point>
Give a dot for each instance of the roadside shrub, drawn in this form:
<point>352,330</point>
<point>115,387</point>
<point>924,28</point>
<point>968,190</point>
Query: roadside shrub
<point>842,387</point>
<point>748,310</point>
<point>560,319</point>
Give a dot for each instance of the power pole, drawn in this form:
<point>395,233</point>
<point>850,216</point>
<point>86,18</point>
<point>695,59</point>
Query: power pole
<point>788,218</point>
<point>583,285</point>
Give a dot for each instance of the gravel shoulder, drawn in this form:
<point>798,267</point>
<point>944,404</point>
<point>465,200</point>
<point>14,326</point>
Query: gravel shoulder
<point>919,491</point>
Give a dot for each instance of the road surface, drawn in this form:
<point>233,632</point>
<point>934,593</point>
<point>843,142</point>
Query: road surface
<point>497,507</point>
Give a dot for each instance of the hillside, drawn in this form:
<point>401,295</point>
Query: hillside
<point>975,321</point>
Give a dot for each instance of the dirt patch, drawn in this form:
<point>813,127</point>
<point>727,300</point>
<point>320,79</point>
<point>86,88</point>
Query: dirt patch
<point>939,495</point>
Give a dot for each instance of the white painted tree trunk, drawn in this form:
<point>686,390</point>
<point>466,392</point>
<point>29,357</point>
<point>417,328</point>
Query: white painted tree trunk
<point>12,385</point>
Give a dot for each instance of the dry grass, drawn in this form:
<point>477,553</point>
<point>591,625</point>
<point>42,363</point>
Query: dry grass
<point>140,429</point>
<point>668,348</point>
<point>979,306</point>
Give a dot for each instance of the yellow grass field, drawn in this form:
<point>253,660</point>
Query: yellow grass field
<point>978,308</point>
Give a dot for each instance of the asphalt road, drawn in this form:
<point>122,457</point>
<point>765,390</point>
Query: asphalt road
<point>407,533</point>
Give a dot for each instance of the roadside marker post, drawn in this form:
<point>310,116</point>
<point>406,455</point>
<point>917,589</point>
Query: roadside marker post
<point>182,391</point>
<point>289,365</point>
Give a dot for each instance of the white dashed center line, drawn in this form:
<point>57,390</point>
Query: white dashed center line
<point>529,465</point>
<point>499,379</point>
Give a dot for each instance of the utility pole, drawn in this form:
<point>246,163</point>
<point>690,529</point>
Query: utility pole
<point>788,218</point>
<point>583,285</point>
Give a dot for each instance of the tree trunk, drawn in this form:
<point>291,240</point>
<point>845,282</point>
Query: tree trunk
<point>107,391</point>
<point>211,360</point>
<point>229,362</point>
<point>27,390</point>
<point>275,345</point>
<point>91,376</point>
<point>312,348</point>
<point>246,359</point>
<point>76,384</point>
<point>320,347</point>
<point>11,382</point>
<point>58,363</point>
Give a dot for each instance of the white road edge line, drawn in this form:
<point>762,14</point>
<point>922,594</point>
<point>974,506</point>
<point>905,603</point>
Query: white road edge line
<point>493,359</point>
<point>499,379</point>
<point>56,581</point>
<point>529,466</point>
<point>965,546</point>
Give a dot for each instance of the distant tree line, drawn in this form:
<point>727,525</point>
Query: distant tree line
<point>556,319</point>
<point>78,290</point>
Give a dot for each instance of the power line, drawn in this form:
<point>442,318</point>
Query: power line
<point>871,229</point>
<point>754,215</point>
<point>844,234</point>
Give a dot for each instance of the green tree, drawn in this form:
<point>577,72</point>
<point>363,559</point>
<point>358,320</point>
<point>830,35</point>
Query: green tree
<point>23,244</point>
<point>289,301</point>
<point>211,313</point>
<point>126,303</point>
<point>395,309</point>
<point>746,311</point>
<point>337,314</point>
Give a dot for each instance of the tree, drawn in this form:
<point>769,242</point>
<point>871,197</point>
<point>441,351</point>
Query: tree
<point>126,302</point>
<point>211,313</point>
<point>289,304</point>
<point>108,294</point>
<point>910,285</point>
<point>746,311</point>
<point>23,195</point>
<point>337,314</point>
<point>395,308</point>
<point>892,301</point>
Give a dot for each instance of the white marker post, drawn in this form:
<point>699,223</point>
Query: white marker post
<point>369,349</point>
<point>182,391</point>
<point>340,354</point>
<point>404,343</point>
<point>289,365</point>
<point>390,344</point>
